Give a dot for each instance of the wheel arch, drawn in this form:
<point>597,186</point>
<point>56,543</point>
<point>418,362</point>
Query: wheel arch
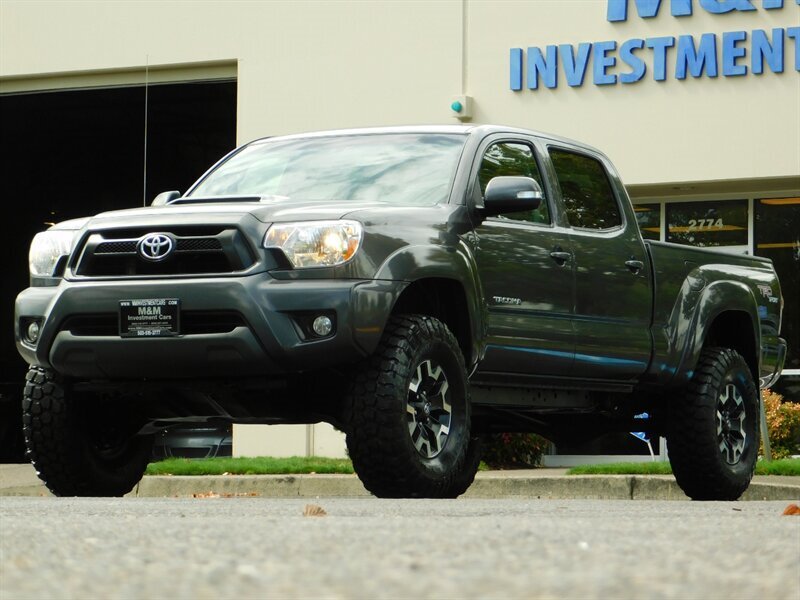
<point>442,282</point>
<point>726,317</point>
<point>446,300</point>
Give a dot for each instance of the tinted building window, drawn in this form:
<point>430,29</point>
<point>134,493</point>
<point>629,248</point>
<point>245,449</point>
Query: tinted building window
<point>777,236</point>
<point>648,216</point>
<point>586,191</point>
<point>708,224</point>
<point>509,159</point>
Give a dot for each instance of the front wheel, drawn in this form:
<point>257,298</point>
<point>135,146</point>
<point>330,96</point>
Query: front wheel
<point>409,429</point>
<point>714,435</point>
<point>79,445</point>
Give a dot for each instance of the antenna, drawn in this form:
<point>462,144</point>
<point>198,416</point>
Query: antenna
<point>146,93</point>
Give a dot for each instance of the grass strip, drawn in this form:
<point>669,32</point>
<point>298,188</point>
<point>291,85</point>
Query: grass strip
<point>785,466</point>
<point>266,465</point>
<point>262,465</point>
<point>623,468</point>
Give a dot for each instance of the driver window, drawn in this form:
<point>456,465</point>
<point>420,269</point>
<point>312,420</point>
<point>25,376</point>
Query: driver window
<point>513,159</point>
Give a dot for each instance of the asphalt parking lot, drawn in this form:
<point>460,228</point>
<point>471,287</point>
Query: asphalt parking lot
<point>370,548</point>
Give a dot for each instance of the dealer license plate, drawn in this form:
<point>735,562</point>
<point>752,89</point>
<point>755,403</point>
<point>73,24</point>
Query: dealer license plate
<point>153,317</point>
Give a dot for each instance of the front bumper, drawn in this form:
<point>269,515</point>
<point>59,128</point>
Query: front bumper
<point>266,342</point>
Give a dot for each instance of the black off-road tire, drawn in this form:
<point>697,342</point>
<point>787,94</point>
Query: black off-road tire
<point>61,438</point>
<point>379,438</point>
<point>466,476</point>
<point>705,464</point>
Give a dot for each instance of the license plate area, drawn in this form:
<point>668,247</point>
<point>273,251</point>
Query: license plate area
<point>150,317</point>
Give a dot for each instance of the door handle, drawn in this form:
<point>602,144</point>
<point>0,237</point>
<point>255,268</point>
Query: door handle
<point>634,265</point>
<point>560,256</point>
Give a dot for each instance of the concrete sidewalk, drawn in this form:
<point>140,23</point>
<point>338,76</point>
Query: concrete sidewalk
<point>21,480</point>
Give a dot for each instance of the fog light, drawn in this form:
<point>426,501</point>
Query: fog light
<point>32,333</point>
<point>322,326</point>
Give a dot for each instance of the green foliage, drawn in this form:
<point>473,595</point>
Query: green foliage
<point>786,466</point>
<point>514,450</point>
<point>263,465</point>
<point>783,423</point>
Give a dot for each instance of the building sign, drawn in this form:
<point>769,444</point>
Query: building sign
<point>731,54</point>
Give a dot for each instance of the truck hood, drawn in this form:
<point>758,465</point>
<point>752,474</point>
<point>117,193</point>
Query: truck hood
<point>266,212</point>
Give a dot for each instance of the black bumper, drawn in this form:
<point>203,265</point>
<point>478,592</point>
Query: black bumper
<point>266,341</point>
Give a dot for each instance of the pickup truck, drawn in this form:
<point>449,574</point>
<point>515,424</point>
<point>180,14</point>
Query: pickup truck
<point>416,287</point>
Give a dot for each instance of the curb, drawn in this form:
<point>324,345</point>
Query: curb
<point>589,487</point>
<point>575,487</point>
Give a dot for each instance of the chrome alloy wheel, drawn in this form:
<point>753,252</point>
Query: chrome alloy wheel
<point>428,410</point>
<point>730,420</point>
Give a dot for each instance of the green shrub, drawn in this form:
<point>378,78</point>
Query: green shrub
<point>514,450</point>
<point>783,423</point>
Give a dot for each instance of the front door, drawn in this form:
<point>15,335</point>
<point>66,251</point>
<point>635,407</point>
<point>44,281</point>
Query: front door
<point>525,265</point>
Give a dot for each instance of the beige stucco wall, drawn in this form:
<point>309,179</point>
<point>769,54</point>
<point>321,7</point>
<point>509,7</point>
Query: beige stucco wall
<point>691,130</point>
<point>311,65</point>
<point>301,65</point>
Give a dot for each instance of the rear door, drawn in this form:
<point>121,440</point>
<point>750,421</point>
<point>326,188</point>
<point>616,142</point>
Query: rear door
<point>613,288</point>
<point>524,262</point>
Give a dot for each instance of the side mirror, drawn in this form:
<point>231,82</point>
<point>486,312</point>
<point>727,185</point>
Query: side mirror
<point>511,194</point>
<point>165,198</point>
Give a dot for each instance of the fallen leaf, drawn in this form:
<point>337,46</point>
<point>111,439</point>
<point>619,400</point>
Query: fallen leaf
<point>792,509</point>
<point>206,495</point>
<point>312,510</point>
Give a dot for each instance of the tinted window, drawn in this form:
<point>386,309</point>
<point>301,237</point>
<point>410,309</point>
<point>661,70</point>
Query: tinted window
<point>588,198</point>
<point>510,159</point>
<point>649,218</point>
<point>712,223</point>
<point>400,169</point>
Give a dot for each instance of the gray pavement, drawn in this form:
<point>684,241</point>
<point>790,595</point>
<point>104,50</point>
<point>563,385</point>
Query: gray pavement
<point>369,548</point>
<point>21,480</point>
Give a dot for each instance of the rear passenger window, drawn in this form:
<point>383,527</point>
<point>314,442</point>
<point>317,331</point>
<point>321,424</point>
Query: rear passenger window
<point>513,159</point>
<point>588,198</point>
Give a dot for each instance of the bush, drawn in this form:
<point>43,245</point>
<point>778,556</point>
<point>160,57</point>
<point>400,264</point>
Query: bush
<point>514,450</point>
<point>783,423</point>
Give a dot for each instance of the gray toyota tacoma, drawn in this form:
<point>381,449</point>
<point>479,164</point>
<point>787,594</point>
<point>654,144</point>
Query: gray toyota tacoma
<point>415,287</point>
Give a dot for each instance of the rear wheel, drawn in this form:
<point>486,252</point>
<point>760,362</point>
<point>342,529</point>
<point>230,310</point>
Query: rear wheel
<point>714,434</point>
<point>409,430</point>
<point>79,445</point>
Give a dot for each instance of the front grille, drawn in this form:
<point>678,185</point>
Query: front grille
<point>193,322</point>
<point>198,251</point>
<point>115,248</point>
<point>198,244</point>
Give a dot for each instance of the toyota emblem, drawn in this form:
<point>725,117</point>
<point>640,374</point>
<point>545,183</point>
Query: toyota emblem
<point>155,246</point>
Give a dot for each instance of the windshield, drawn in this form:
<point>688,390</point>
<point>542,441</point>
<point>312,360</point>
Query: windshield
<point>400,169</point>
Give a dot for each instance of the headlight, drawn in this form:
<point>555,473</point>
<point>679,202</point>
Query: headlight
<point>316,243</point>
<point>47,248</point>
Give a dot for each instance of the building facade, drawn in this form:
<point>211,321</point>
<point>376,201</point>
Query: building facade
<point>696,101</point>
